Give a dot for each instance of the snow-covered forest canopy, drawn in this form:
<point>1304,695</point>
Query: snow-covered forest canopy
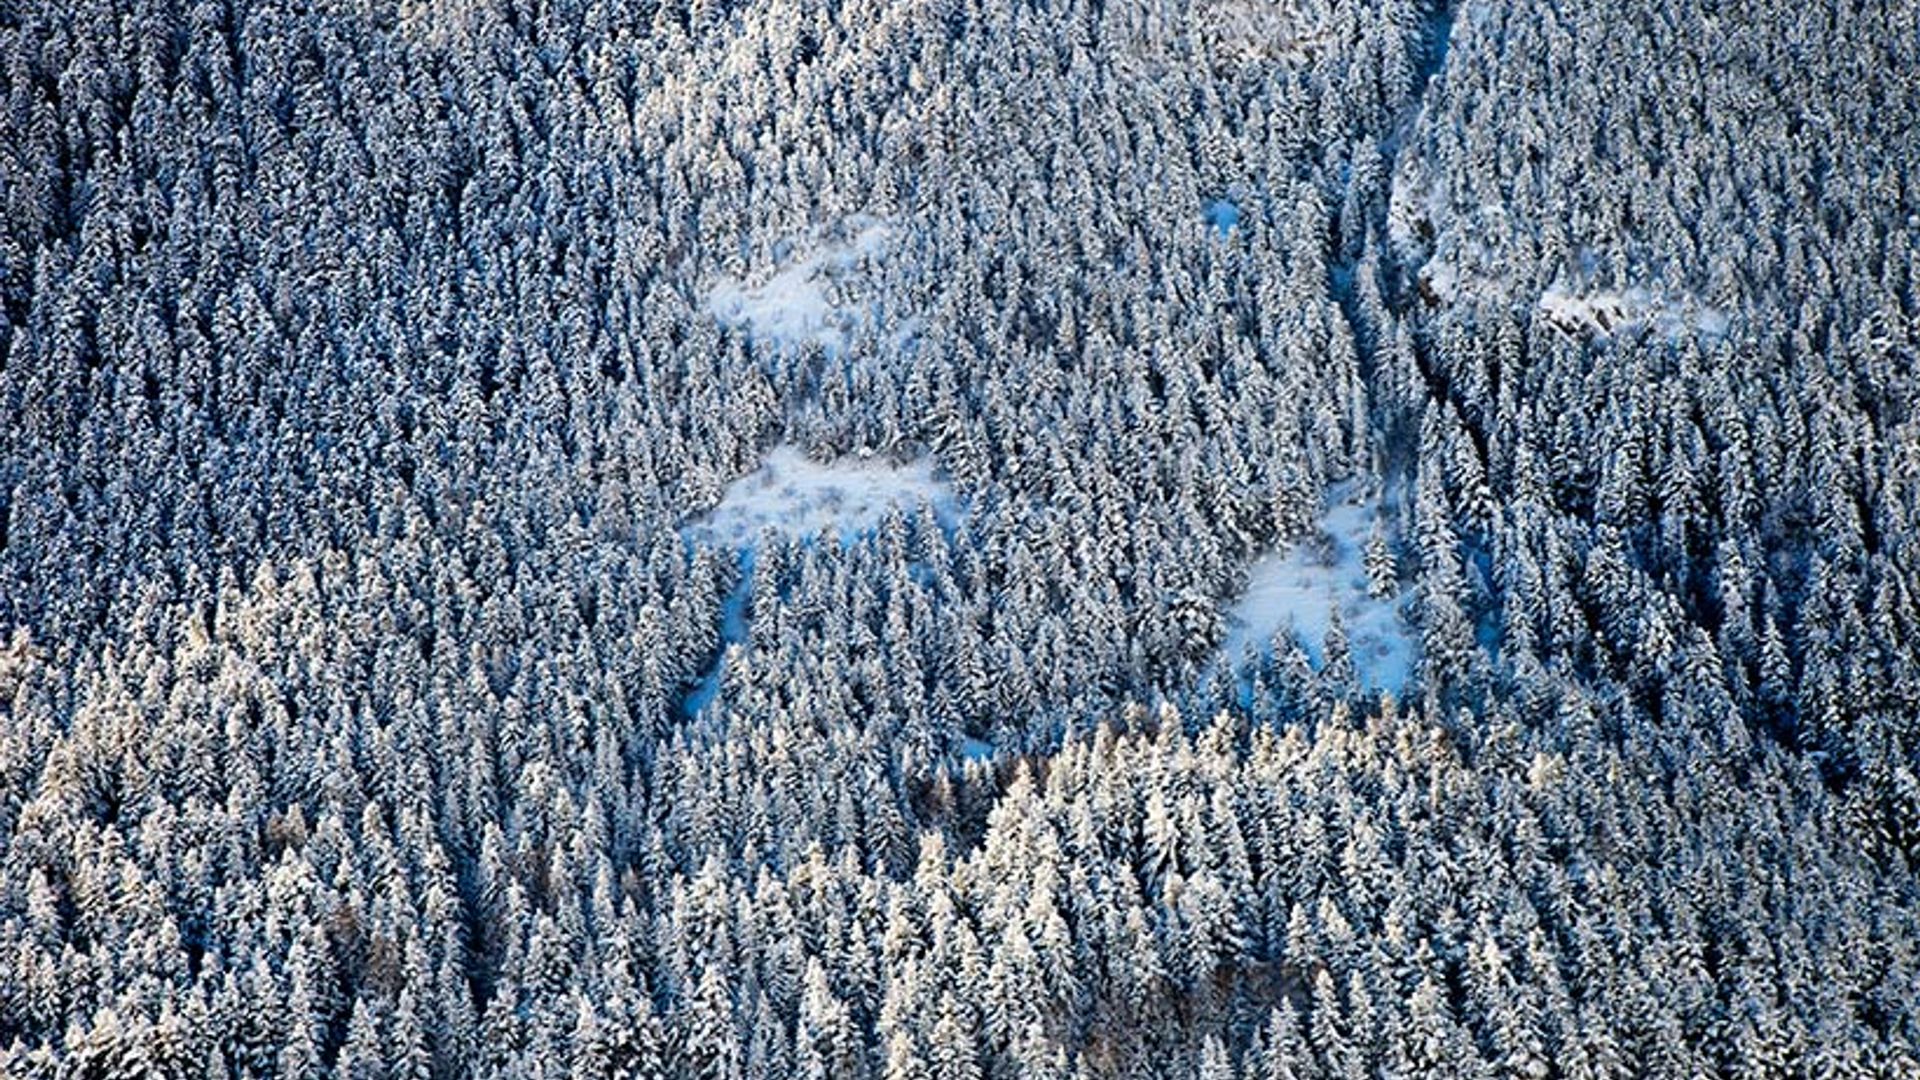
<point>959,539</point>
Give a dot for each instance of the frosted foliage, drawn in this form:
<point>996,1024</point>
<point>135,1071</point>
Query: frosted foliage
<point>485,589</point>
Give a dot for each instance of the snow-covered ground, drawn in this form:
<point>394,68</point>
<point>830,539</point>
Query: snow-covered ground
<point>799,496</point>
<point>1262,30</point>
<point>1223,215</point>
<point>1603,313</point>
<point>807,298</point>
<point>1303,586</point>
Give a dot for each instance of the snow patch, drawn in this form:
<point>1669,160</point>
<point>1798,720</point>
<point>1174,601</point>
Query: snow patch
<point>1304,585</point>
<point>1223,215</point>
<point>805,300</point>
<point>799,496</point>
<point>1595,314</point>
<point>1605,313</point>
<point>1250,31</point>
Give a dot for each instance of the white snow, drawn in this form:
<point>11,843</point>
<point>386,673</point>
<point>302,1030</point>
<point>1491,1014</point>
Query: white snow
<point>1304,585</point>
<point>1260,30</point>
<point>1596,313</point>
<point>799,496</point>
<point>1603,313</point>
<point>804,300</point>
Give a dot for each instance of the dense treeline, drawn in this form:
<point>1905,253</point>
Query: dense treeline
<point>360,382</point>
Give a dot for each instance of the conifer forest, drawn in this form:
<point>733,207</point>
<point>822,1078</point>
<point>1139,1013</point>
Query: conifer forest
<point>960,539</point>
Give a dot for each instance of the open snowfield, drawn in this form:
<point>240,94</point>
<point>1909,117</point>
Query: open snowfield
<point>1303,586</point>
<point>799,303</point>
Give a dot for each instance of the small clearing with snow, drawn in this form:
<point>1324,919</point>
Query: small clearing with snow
<point>1602,314</point>
<point>805,300</point>
<point>1261,31</point>
<point>1304,585</point>
<point>1223,215</point>
<point>796,495</point>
